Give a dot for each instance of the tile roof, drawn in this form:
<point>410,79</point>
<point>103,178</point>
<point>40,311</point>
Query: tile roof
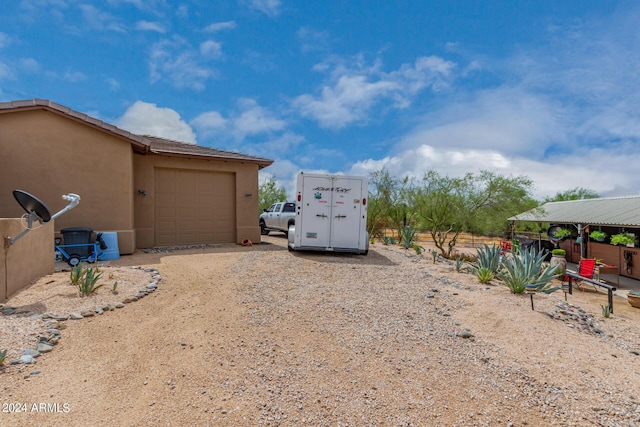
<point>162,146</point>
<point>140,144</point>
<point>613,211</point>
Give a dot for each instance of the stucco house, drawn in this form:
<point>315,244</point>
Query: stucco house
<point>151,191</point>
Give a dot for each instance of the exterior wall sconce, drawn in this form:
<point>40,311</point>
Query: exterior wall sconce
<point>142,192</point>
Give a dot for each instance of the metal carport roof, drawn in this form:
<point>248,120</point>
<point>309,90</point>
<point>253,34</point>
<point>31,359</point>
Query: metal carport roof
<point>614,211</point>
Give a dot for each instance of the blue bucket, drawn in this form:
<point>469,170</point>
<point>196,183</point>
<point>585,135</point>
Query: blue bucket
<point>112,252</point>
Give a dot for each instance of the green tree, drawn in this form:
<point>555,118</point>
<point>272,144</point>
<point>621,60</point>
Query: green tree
<point>269,192</point>
<point>448,206</point>
<point>577,193</point>
<point>388,204</point>
<point>507,196</point>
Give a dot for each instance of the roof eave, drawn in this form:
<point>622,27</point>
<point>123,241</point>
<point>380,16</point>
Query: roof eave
<point>260,162</point>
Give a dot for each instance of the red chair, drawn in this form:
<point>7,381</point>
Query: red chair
<point>586,268</point>
<point>505,246</point>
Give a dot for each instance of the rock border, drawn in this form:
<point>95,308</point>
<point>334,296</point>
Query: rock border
<point>54,323</point>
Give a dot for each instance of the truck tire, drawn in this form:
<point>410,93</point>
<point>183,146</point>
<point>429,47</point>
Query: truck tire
<point>263,229</point>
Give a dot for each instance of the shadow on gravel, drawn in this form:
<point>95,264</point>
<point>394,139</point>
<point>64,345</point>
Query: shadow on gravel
<point>275,242</point>
<point>373,258</point>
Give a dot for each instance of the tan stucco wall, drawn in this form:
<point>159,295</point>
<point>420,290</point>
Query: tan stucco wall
<point>246,193</point>
<point>48,155</point>
<point>28,259</point>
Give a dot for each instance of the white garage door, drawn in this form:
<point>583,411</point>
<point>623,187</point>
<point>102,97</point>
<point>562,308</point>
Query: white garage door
<point>194,207</point>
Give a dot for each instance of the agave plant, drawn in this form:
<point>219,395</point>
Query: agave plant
<point>485,275</point>
<point>3,355</point>
<point>408,236</point>
<point>386,240</point>
<point>488,257</point>
<point>528,268</point>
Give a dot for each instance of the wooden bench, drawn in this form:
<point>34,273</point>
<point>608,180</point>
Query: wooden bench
<point>572,275</point>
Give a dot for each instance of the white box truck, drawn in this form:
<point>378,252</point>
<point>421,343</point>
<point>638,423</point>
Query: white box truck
<point>331,214</point>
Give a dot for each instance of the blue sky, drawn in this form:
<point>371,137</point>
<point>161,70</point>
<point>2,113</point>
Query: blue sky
<point>546,89</point>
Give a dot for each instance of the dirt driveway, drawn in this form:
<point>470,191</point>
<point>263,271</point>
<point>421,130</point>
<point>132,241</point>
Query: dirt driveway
<point>239,336</point>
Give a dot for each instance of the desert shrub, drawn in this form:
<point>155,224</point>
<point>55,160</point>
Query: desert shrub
<point>89,282</point>
<point>528,268</point>
<point>3,355</point>
<point>466,257</point>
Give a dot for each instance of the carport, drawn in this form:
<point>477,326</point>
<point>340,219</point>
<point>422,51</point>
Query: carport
<point>611,215</point>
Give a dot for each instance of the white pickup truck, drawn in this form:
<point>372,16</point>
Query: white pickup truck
<point>278,217</point>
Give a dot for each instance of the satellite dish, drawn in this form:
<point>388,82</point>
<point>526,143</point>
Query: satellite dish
<point>38,211</point>
<point>551,231</point>
<point>33,206</point>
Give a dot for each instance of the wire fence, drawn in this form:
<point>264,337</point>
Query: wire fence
<point>467,240</point>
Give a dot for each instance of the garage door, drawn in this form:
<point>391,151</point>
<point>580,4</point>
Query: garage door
<point>194,207</point>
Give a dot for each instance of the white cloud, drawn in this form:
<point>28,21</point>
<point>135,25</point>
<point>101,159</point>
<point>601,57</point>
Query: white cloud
<point>254,119</point>
<point>282,146</point>
<point>311,40</point>
<point>114,84</point>
<point>220,26</point>
<point>353,93</point>
<point>266,129</point>
<point>150,26</point>
<point>210,49</point>
<point>209,123</point>
<point>75,76</point>
<point>144,118</point>
<point>176,61</point>
<point>98,20</point>
<point>5,71</point>
<point>4,40</point>
<point>29,65</point>
<point>271,8</point>
<point>506,119</point>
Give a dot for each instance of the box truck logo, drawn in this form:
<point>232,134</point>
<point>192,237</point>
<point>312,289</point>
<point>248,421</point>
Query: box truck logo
<point>334,189</point>
<point>318,195</point>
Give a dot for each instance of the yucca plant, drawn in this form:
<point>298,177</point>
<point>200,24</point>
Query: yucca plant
<point>527,268</point>
<point>489,258</point>
<point>76,274</point>
<point>606,310</point>
<point>3,355</point>
<point>88,283</point>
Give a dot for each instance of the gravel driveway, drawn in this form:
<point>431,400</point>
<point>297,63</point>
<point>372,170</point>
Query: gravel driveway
<point>259,336</point>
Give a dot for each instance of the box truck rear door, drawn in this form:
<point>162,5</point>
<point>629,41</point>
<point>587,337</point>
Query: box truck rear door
<point>346,213</point>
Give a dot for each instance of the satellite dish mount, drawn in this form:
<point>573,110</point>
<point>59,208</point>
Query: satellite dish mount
<point>37,211</point>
